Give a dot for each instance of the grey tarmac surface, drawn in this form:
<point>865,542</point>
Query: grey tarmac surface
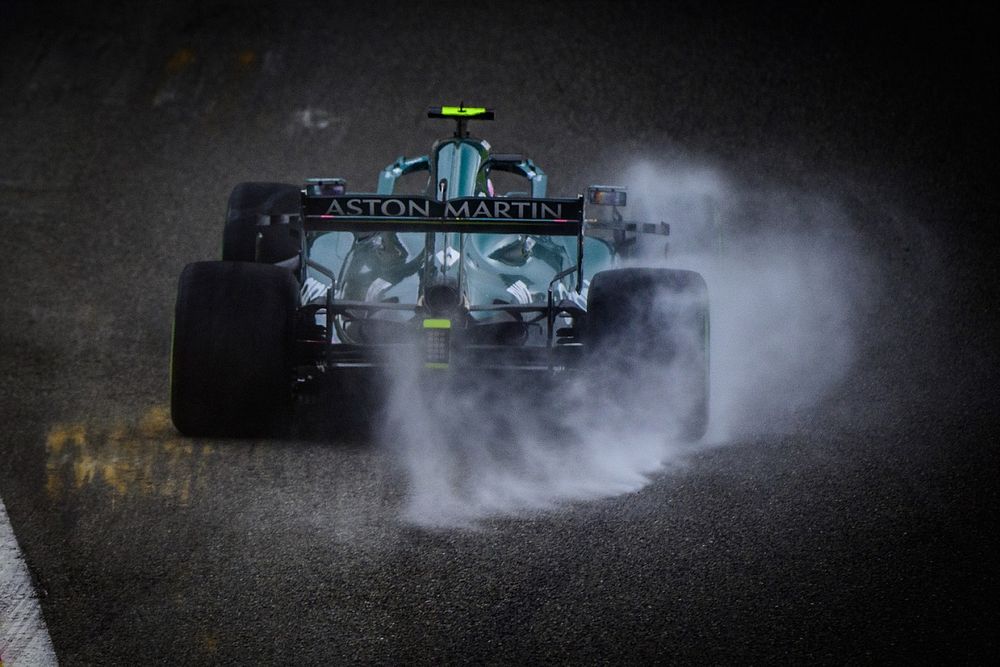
<point>861,530</point>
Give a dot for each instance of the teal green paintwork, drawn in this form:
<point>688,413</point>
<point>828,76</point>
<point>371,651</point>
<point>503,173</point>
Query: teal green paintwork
<point>489,268</point>
<point>458,168</point>
<point>401,167</point>
<point>465,165</point>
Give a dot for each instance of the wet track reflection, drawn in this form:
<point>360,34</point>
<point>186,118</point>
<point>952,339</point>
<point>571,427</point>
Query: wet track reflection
<point>98,471</point>
<point>144,458</point>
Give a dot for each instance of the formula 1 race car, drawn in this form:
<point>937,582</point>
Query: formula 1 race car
<point>320,286</point>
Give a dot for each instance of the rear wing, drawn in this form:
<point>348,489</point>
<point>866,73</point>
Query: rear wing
<point>364,212</point>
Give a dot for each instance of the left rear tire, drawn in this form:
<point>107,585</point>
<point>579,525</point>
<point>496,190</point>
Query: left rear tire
<point>231,354</point>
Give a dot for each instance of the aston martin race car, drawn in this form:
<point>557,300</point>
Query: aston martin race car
<point>321,286</point>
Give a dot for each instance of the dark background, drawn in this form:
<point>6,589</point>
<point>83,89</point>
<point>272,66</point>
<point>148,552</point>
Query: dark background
<point>864,532</point>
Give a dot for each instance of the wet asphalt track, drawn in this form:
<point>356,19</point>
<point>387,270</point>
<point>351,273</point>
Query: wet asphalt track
<point>865,532</point>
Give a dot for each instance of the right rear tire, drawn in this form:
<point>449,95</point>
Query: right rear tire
<point>648,332</point>
<point>231,354</point>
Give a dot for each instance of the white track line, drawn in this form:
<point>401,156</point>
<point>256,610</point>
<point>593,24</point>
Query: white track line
<point>24,639</point>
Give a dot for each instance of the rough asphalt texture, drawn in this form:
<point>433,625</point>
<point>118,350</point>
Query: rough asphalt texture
<point>865,531</point>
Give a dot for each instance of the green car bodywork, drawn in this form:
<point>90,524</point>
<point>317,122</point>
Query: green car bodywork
<point>319,288</point>
<point>493,269</point>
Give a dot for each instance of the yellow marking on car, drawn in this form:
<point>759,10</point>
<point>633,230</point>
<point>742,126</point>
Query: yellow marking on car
<point>436,342</point>
<point>462,111</point>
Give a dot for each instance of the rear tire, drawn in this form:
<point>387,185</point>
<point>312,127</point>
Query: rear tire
<point>231,355</point>
<point>249,201</point>
<point>653,321</point>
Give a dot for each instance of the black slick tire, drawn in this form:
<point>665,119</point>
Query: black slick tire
<point>231,354</point>
<point>644,321</point>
